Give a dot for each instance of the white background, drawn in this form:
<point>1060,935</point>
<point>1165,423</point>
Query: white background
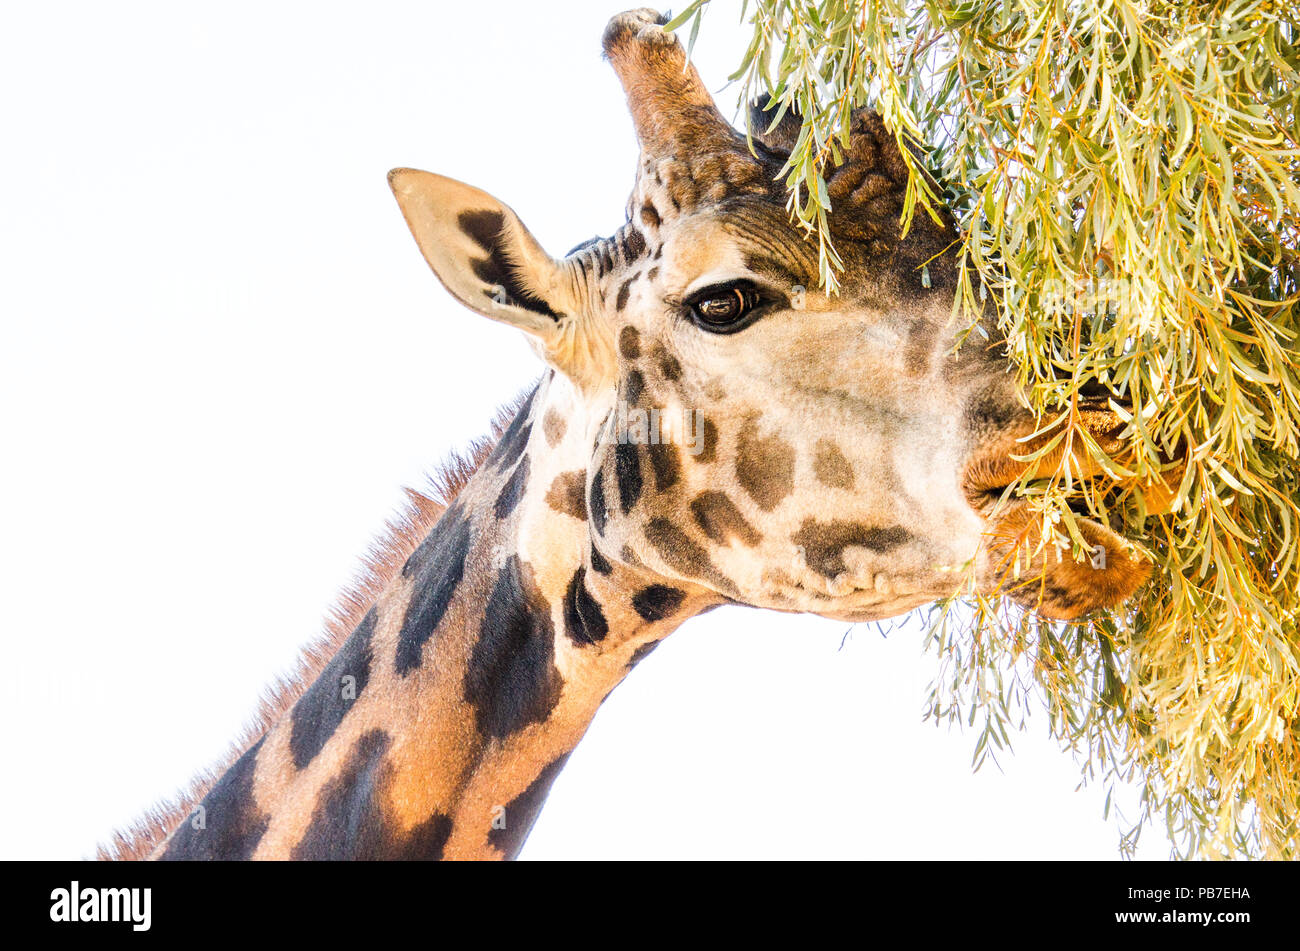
<point>221,358</point>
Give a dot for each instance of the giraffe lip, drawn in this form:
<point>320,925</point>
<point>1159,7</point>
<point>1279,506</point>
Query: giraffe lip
<point>983,500</point>
<point>990,470</point>
<point>986,478</point>
<point>989,500</point>
<point>991,504</point>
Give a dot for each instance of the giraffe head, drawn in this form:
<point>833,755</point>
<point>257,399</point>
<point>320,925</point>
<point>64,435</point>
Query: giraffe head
<point>749,434</point>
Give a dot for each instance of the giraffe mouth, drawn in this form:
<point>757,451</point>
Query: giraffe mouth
<point>994,468</point>
<point>992,502</point>
<point>988,482</point>
<point>1031,562</point>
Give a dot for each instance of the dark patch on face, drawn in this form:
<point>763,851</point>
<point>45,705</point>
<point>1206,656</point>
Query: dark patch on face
<point>721,521</point>
<point>350,820</point>
<point>599,513</point>
<point>439,565</point>
<point>824,542</point>
<point>554,426</point>
<point>511,680</point>
<point>633,387</point>
<point>627,472</point>
<point>515,438</point>
<point>681,553</point>
<point>659,252</point>
<point>320,710</point>
<point>668,364</point>
<point>641,653</point>
<point>649,216</point>
<point>764,466</point>
<point>666,461</point>
<point>708,442</point>
<point>624,290</point>
<point>629,343</point>
<point>584,621</point>
<point>599,562</point>
<point>630,557</point>
<point>830,466</point>
<point>522,811</point>
<point>513,490</point>
<point>654,272</point>
<point>635,244</point>
<point>484,228</point>
<point>568,494</point>
<point>657,601</point>
<point>233,825</point>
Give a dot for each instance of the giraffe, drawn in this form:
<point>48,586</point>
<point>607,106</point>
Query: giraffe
<point>710,428</point>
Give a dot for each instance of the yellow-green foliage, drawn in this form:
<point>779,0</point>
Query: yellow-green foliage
<point>1126,178</point>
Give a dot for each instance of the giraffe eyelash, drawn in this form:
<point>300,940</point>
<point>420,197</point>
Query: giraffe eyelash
<point>754,301</point>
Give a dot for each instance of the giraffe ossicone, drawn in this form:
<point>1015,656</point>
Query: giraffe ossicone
<point>711,428</point>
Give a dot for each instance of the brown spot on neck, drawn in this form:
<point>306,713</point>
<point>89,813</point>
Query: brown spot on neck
<point>568,494</point>
<point>554,426</point>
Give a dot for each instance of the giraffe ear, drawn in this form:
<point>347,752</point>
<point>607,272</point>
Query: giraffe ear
<point>482,253</point>
<point>780,137</point>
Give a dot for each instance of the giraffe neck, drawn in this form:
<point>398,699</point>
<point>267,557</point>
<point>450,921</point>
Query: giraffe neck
<point>439,726</point>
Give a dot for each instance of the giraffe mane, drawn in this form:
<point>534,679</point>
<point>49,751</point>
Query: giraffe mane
<point>402,534</point>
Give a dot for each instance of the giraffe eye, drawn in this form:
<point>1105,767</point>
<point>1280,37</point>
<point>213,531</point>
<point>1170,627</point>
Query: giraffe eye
<point>724,308</point>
